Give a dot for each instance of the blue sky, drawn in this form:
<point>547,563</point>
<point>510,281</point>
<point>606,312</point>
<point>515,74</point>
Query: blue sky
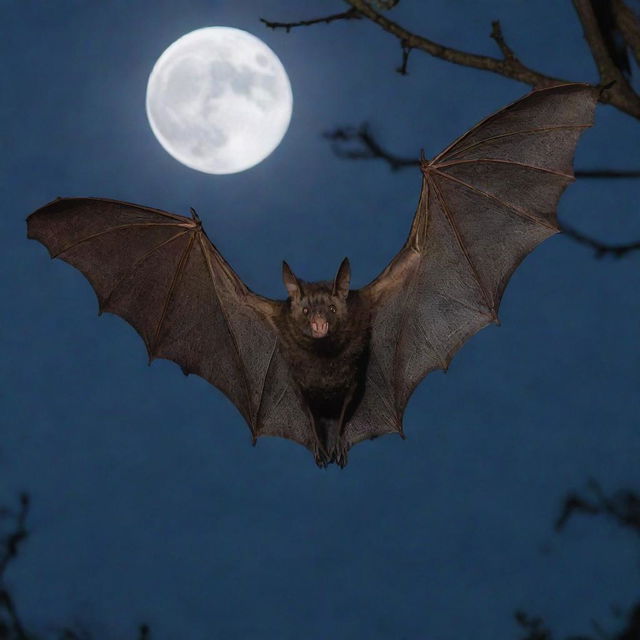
<point>150,505</point>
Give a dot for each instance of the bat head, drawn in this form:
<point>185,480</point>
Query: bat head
<point>318,309</point>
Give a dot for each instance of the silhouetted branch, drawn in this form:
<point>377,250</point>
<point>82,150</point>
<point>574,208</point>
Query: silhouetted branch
<point>12,541</point>
<point>623,506</point>
<point>628,24</point>
<point>349,14</point>
<point>606,173</point>
<point>15,629</point>
<point>620,94</point>
<point>534,627</point>
<point>601,248</point>
<point>10,546</point>
<point>368,148</point>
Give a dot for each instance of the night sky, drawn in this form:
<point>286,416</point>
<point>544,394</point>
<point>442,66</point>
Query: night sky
<point>149,503</point>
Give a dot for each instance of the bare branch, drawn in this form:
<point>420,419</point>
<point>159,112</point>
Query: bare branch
<point>601,248</point>
<point>620,92</point>
<point>11,544</point>
<point>623,506</point>
<point>6,603</point>
<point>406,50</point>
<point>350,14</point>
<point>606,173</point>
<point>620,95</point>
<point>371,149</point>
<point>629,25</point>
<point>607,69</point>
<point>497,35</point>
<point>13,540</point>
<point>507,67</point>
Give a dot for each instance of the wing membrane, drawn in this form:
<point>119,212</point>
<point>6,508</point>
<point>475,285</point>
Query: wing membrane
<point>160,272</point>
<point>486,202</point>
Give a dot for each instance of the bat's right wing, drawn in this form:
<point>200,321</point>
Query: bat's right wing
<point>486,201</point>
<point>160,272</point>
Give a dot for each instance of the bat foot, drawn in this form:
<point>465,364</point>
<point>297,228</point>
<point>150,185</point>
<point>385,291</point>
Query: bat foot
<point>320,455</point>
<point>340,456</point>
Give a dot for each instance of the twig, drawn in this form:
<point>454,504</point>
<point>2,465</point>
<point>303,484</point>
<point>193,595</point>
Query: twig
<point>13,540</point>
<point>406,50</point>
<point>623,506</point>
<point>595,39</point>
<point>601,248</point>
<point>607,68</point>
<point>370,148</point>
<point>349,14</point>
<point>7,603</point>
<point>629,24</point>
<point>11,544</point>
<point>606,173</point>
<point>497,35</point>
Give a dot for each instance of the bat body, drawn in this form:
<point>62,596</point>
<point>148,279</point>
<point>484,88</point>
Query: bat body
<point>329,366</point>
<point>325,332</point>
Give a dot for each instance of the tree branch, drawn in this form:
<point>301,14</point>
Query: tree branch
<point>620,95</point>
<point>13,540</point>
<point>11,544</point>
<point>623,506</point>
<point>629,24</point>
<point>607,68</point>
<point>497,35</point>
<point>349,14</point>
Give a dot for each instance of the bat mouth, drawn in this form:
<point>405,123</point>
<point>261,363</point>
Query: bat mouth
<point>319,328</point>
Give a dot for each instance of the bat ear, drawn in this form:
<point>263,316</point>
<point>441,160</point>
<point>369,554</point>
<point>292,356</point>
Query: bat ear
<point>290,281</point>
<point>343,279</point>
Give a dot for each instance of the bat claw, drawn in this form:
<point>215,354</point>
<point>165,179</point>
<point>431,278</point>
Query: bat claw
<point>320,455</point>
<point>340,456</point>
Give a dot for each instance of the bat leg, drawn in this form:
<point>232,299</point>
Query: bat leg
<point>341,449</point>
<point>319,452</point>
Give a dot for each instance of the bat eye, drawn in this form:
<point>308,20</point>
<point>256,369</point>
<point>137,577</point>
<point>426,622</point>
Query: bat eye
<point>332,308</point>
<point>305,311</point>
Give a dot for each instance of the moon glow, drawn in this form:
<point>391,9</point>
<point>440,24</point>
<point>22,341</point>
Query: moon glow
<point>219,100</point>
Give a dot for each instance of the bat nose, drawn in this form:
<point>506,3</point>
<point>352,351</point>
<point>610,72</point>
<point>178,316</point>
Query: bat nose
<point>319,326</point>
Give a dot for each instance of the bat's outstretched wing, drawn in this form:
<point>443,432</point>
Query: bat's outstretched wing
<point>160,272</point>
<point>486,201</point>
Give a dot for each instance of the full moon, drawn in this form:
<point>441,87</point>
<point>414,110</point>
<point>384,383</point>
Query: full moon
<point>219,100</point>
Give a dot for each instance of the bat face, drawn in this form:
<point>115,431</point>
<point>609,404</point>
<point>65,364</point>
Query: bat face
<point>316,312</point>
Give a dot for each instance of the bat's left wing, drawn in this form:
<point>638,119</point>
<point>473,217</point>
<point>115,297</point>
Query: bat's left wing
<point>486,202</point>
<point>160,272</point>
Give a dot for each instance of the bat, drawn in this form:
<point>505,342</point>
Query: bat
<point>332,366</point>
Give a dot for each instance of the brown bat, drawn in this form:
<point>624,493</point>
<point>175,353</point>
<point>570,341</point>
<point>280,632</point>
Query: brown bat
<point>330,367</point>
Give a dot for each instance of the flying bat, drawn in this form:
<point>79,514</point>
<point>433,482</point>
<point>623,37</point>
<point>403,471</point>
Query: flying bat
<point>332,366</point>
